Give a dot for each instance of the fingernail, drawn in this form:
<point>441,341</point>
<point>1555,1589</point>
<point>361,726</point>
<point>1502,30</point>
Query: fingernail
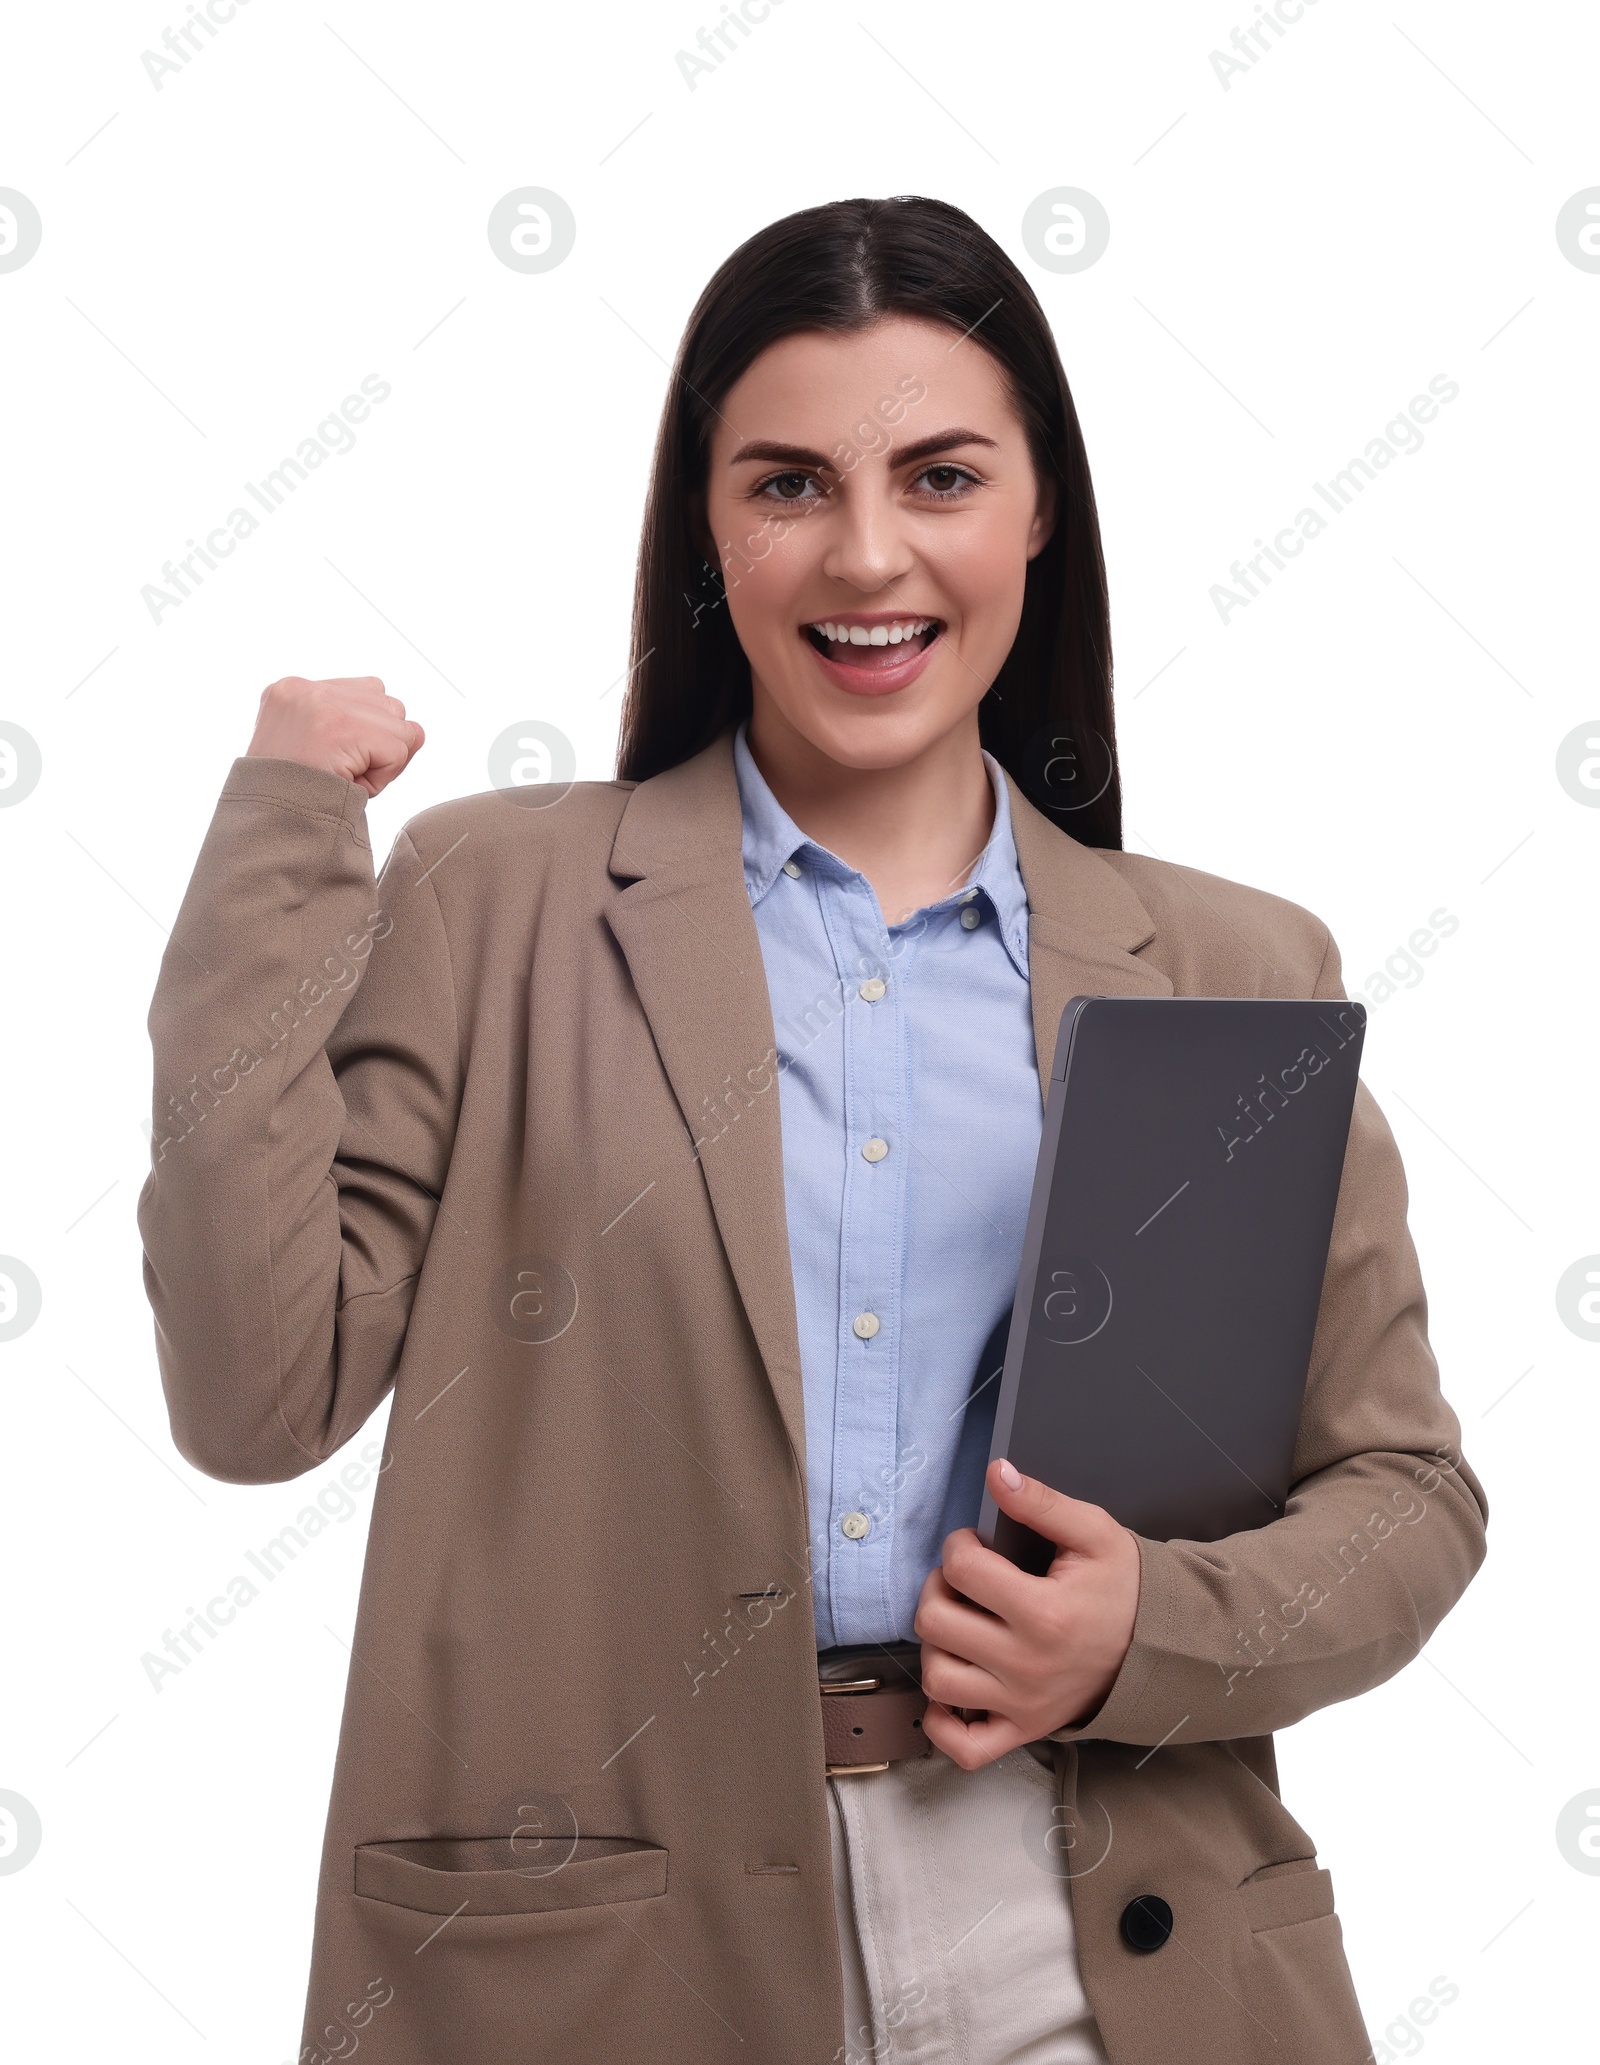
<point>1010,1478</point>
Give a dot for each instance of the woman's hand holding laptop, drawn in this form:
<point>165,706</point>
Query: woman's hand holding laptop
<point>1025,1654</point>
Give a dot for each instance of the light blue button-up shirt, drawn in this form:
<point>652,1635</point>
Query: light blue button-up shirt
<point>911,1118</point>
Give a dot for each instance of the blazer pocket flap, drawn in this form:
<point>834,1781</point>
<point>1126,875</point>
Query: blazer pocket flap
<point>1285,1897</point>
<point>483,1875</point>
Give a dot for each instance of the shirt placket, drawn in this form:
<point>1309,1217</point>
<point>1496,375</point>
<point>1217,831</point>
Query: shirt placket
<point>871,1263</point>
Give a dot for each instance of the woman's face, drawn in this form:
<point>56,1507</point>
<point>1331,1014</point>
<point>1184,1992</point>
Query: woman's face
<point>873,507</point>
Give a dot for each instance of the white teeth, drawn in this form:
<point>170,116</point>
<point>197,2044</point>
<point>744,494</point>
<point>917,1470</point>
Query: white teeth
<point>874,634</point>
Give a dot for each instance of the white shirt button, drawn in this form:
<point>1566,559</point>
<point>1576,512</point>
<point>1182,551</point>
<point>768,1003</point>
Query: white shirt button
<point>873,988</point>
<point>865,1325</point>
<point>875,1149</point>
<point>971,918</point>
<point>855,1526</point>
<point>792,869</point>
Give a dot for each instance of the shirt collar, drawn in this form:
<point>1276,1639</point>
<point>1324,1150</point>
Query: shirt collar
<point>771,838</point>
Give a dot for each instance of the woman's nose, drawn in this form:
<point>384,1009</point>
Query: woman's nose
<point>869,546</point>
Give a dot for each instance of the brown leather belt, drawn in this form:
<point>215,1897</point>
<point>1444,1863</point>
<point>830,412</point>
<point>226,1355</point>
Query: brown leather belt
<point>872,1707</point>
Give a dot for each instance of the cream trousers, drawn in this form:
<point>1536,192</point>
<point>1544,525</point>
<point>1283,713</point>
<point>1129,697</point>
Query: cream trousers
<point>955,1921</point>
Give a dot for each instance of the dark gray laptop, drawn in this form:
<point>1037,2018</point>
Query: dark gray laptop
<point>1172,1269</point>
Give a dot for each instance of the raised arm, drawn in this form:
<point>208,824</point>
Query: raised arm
<point>306,1086</point>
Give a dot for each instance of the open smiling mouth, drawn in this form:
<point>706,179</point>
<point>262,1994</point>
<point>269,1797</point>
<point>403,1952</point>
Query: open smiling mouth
<point>885,652</point>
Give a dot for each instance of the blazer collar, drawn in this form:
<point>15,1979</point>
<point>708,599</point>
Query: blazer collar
<point>683,921</point>
<point>1086,926</point>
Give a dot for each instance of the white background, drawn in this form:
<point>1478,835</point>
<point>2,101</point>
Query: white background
<point>1292,257</point>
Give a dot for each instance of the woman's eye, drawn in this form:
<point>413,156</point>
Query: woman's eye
<point>945,483</point>
<point>786,487</point>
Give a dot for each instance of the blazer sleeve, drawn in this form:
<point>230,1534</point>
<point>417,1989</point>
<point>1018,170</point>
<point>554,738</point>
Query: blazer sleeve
<point>307,1079</point>
<point>1384,1525</point>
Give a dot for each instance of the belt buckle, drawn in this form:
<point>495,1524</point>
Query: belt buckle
<point>852,1770</point>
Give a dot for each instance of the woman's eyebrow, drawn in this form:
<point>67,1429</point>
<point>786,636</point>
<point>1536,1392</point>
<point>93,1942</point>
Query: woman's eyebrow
<point>802,455</point>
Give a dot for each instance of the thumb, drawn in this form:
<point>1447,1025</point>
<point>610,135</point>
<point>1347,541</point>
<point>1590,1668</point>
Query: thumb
<point>1069,1523</point>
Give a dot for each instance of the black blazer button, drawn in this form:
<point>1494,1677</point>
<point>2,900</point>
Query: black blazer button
<point>1146,1922</point>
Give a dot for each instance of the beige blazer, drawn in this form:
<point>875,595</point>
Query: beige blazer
<point>499,1131</point>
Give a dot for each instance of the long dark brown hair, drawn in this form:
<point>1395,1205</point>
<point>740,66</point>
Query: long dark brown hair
<point>1047,718</point>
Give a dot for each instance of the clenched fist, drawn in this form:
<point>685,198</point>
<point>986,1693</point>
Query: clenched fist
<point>347,727</point>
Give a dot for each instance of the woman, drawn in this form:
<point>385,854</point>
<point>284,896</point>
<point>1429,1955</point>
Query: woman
<point>689,1418</point>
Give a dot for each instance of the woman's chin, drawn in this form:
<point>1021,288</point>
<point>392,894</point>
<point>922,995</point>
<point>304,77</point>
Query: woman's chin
<point>873,734</point>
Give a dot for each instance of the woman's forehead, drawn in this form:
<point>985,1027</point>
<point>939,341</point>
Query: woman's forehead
<point>813,386</point>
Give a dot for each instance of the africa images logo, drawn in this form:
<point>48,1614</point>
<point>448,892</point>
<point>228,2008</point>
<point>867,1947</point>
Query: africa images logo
<point>334,435</point>
<point>1401,434</point>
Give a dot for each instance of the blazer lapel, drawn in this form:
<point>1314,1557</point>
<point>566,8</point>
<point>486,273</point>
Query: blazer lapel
<point>1085,926</point>
<point>685,926</point>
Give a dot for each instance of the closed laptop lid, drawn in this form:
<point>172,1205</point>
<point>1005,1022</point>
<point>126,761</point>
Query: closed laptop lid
<point>1173,1262</point>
